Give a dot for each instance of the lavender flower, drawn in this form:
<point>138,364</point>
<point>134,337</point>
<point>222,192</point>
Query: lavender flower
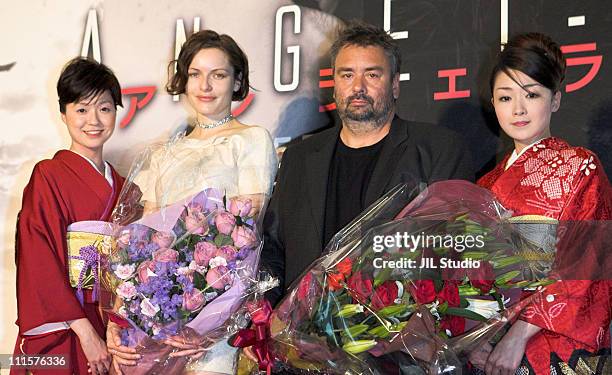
<point>162,291</point>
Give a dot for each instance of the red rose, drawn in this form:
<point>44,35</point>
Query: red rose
<point>345,267</point>
<point>450,294</point>
<point>484,285</point>
<point>304,286</point>
<point>423,291</point>
<point>455,324</point>
<point>454,274</point>
<point>359,288</point>
<point>384,295</point>
<point>482,277</point>
<point>335,281</point>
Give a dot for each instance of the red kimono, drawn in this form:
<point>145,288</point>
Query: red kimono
<point>556,180</point>
<point>61,191</point>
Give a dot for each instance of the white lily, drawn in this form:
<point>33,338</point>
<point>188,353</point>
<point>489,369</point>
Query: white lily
<point>484,307</point>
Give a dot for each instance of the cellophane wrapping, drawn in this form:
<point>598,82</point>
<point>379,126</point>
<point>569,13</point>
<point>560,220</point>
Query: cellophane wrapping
<point>414,284</point>
<point>186,250</point>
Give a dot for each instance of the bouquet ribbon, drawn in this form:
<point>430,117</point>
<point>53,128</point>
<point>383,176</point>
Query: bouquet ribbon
<point>259,336</point>
<point>90,256</point>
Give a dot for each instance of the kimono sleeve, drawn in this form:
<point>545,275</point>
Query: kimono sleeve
<point>582,299</point>
<point>592,196</point>
<point>44,294</point>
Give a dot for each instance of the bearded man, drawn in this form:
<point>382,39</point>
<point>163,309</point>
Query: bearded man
<point>329,178</point>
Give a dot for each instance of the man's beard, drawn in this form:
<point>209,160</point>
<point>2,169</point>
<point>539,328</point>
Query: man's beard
<point>366,119</point>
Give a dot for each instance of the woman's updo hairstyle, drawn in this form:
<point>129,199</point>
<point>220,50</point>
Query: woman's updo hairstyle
<point>535,55</point>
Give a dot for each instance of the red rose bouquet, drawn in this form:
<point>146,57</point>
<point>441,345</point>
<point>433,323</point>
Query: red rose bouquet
<point>400,283</point>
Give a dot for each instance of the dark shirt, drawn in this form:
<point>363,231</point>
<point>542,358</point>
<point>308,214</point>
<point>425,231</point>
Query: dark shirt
<point>349,176</point>
<point>295,217</point>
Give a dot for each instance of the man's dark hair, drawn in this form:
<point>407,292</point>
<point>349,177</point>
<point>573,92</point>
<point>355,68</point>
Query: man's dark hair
<point>361,34</point>
<point>210,39</point>
<point>84,78</point>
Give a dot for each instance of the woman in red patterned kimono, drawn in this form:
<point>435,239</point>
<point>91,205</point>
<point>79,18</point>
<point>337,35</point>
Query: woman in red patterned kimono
<point>75,185</point>
<point>565,329</point>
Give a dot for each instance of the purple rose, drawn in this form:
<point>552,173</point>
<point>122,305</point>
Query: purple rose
<point>243,236</point>
<point>145,270</point>
<point>240,206</point>
<point>195,222</point>
<point>218,277</point>
<point>139,232</point>
<point>225,222</point>
<point>227,252</point>
<point>195,207</point>
<point>204,252</point>
<point>193,300</point>
<point>165,255</point>
<point>162,239</point>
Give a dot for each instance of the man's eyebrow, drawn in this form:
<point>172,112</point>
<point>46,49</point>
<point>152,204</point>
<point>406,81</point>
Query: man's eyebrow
<point>368,69</point>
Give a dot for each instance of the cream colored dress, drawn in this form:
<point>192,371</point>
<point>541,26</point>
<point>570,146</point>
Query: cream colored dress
<point>240,163</point>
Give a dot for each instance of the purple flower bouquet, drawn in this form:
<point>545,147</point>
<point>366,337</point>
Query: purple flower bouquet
<point>183,271</point>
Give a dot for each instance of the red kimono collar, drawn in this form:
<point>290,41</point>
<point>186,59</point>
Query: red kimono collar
<point>90,175</point>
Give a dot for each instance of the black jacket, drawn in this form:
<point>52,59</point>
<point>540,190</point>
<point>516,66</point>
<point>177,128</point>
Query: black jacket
<point>293,224</point>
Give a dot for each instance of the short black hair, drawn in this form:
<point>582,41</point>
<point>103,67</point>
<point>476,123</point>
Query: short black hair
<point>209,39</point>
<point>361,34</point>
<point>535,55</point>
<point>84,78</point>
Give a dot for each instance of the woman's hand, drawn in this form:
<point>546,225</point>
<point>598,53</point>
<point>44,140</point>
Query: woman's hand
<point>507,355</point>
<point>93,346</point>
<point>250,354</point>
<point>122,355</point>
<point>478,357</point>
<point>190,344</point>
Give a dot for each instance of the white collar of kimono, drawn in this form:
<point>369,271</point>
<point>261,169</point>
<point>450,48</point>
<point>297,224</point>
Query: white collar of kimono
<point>516,155</point>
<point>108,175</point>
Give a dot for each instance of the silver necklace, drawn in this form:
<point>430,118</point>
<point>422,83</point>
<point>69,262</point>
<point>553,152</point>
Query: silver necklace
<point>211,125</point>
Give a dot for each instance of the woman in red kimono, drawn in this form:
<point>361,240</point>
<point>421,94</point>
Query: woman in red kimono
<point>564,330</point>
<point>76,185</point>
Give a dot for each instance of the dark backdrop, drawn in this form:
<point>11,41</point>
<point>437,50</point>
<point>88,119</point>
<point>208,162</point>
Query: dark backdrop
<point>465,34</point>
